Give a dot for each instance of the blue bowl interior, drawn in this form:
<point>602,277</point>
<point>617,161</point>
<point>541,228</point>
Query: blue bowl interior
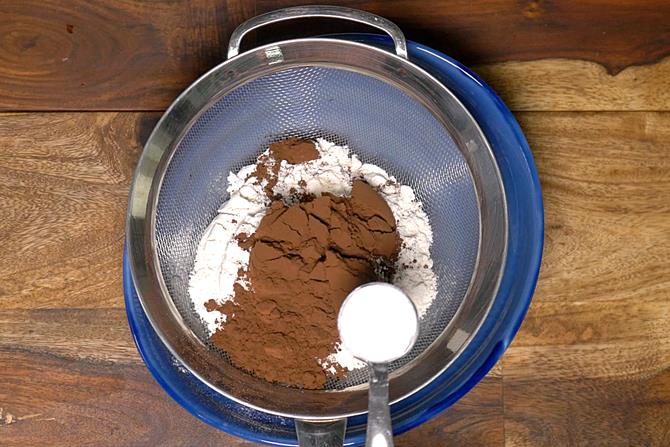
<point>523,261</point>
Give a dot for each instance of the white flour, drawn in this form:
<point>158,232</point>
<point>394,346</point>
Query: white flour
<point>219,256</point>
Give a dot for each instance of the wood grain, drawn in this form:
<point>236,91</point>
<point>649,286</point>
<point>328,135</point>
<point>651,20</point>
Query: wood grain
<point>590,366</point>
<point>64,181</point>
<point>591,363</point>
<point>615,34</point>
<point>137,55</point>
<point>475,420</point>
<point>76,375</point>
<point>77,379</point>
<point>569,85</point>
<point>606,189</point>
<point>58,402</point>
<point>84,55</point>
<point>585,412</point>
<point>76,335</point>
<point>121,405</point>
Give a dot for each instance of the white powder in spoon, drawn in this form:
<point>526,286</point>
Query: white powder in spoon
<point>378,323</point>
<point>219,256</point>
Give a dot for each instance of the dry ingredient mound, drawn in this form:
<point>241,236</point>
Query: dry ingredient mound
<point>292,151</point>
<point>303,226</point>
<point>305,259</point>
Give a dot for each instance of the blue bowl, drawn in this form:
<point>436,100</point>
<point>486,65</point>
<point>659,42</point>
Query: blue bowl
<point>525,241</point>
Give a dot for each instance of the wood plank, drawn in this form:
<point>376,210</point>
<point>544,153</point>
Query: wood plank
<point>606,187</point>
<point>56,402</point>
<point>605,180</point>
<point>48,351</point>
<point>475,420</point>
<point>134,55</point>
<point>610,341</point>
<point>584,412</point>
<point>569,85</point>
<point>75,335</point>
<point>614,34</point>
<point>122,406</point>
<point>64,181</point>
<point>85,55</point>
<point>591,363</point>
<point>599,322</point>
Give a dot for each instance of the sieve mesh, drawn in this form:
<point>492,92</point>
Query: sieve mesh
<point>380,123</point>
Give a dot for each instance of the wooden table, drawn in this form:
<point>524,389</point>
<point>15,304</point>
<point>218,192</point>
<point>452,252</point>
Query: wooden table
<point>83,82</point>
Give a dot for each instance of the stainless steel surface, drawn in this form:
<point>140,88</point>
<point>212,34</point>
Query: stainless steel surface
<point>379,430</point>
<point>312,11</point>
<point>380,327</point>
<point>321,433</point>
<point>391,113</point>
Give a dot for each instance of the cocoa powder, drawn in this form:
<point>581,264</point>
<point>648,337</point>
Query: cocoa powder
<point>292,150</point>
<point>304,261</point>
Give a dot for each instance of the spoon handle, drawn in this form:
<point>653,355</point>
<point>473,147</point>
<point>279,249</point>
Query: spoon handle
<point>379,432</point>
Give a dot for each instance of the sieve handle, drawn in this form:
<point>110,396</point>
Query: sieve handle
<point>333,12</point>
<point>321,433</point>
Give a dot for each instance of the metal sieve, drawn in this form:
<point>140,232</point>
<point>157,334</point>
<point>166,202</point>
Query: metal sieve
<point>389,112</point>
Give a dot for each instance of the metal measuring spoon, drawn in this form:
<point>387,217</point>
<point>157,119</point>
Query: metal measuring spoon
<point>378,324</point>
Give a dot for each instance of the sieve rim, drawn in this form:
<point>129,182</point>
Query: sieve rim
<point>148,272</point>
